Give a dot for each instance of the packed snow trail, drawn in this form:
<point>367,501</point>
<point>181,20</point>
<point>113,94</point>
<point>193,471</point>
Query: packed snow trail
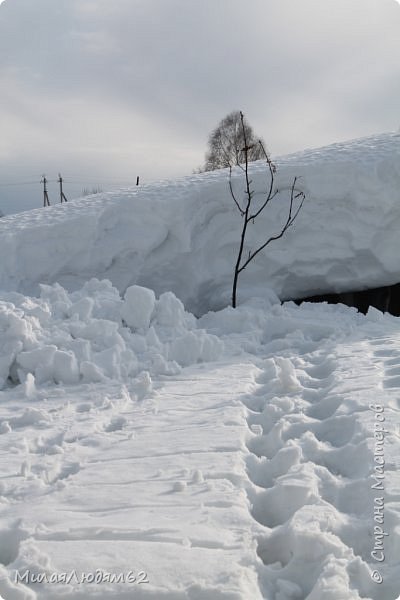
<point>324,453</point>
<point>155,487</point>
<point>230,458</point>
<point>314,492</point>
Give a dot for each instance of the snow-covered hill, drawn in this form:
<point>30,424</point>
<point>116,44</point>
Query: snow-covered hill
<point>182,236</point>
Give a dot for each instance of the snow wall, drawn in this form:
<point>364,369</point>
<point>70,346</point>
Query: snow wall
<point>183,235</point>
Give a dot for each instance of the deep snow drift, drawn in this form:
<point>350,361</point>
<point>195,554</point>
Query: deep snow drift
<point>182,236</point>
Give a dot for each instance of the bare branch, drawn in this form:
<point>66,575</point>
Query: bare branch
<point>270,193</point>
<point>289,222</point>
<point>233,193</point>
<point>246,166</point>
<point>270,197</point>
<point>246,211</point>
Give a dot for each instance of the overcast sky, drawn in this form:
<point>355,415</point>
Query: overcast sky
<point>104,90</point>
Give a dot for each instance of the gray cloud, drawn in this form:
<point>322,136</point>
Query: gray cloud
<point>109,89</point>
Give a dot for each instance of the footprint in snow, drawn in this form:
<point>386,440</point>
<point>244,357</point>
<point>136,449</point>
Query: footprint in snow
<point>386,353</point>
<point>60,473</point>
<point>116,424</point>
<point>321,370</point>
<point>84,407</point>
<point>392,382</point>
<point>325,408</point>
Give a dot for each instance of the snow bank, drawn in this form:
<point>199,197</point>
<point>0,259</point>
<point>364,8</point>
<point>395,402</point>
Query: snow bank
<point>183,235</point>
<point>93,334</point>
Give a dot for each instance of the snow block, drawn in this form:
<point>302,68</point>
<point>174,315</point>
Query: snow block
<point>139,303</point>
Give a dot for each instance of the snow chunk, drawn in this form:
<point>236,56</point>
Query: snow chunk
<point>170,311</point>
<point>83,308</point>
<point>90,372</point>
<point>139,303</point>
<point>39,361</point>
<point>29,386</point>
<point>66,368</point>
<point>5,427</point>
<point>142,385</point>
<point>186,349</point>
<point>194,347</point>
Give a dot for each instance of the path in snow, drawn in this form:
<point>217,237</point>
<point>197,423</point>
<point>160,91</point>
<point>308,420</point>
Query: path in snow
<point>242,479</point>
<point>314,457</point>
<point>98,481</point>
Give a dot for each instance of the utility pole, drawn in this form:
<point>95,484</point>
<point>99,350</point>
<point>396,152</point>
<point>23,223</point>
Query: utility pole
<point>46,201</point>
<point>62,195</point>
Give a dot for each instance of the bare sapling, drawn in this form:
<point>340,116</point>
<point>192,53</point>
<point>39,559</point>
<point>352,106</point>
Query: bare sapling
<point>249,212</point>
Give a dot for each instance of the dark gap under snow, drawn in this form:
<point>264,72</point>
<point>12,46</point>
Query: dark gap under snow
<point>385,299</point>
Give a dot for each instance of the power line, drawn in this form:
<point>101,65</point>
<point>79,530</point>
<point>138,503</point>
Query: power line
<point>131,181</point>
<point>116,180</point>
<point>21,183</point>
<point>98,180</point>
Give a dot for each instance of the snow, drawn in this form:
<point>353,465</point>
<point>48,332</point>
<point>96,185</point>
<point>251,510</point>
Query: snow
<point>96,335</point>
<point>138,307</point>
<point>243,477</point>
<point>182,236</point>
<point>244,454</point>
